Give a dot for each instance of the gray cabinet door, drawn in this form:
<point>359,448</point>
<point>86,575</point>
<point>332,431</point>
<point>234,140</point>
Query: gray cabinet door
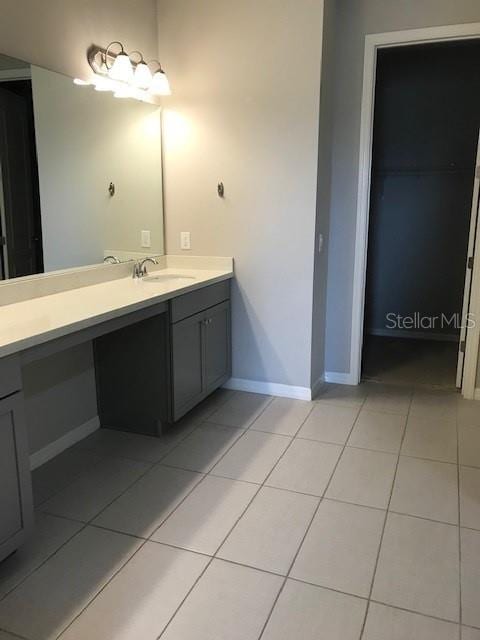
<point>15,484</point>
<point>217,348</point>
<point>187,363</point>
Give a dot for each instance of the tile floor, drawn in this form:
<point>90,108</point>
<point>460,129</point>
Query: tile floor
<point>353,517</point>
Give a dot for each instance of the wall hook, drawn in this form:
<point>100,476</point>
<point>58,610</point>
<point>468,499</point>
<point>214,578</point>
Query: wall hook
<point>221,190</point>
<point>111,189</point>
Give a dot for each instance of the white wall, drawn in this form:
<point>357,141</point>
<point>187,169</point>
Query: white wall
<point>56,34</point>
<point>85,140</point>
<point>246,82</point>
<point>355,19</point>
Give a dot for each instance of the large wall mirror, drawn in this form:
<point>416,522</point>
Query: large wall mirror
<point>80,174</point>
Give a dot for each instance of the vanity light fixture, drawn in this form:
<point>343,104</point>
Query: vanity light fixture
<point>160,85</point>
<point>121,69</point>
<point>142,77</point>
<point>126,78</point>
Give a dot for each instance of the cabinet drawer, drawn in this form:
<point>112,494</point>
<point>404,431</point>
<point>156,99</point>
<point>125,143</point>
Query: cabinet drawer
<point>10,376</point>
<point>196,301</point>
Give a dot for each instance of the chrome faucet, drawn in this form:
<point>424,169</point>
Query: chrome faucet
<point>140,269</point>
<point>111,260</point>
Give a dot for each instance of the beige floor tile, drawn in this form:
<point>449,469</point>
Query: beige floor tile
<point>427,489</point>
<point>387,623</point>
<point>108,442</point>
<point>202,449</point>
<point>435,405</point>
<point>59,472</point>
<point>306,467</point>
<point>252,457</point>
<point>363,477</point>
<point>388,398</point>
<point>270,532</point>
<point>146,504</point>
<point>203,520</point>
<point>341,548</point>
<point>329,423</point>
<point>379,431</point>
<point>469,446</point>
<point>470,634</point>
<point>240,410</point>
<point>470,541</point>
<point>305,612</point>
<point>283,416</point>
<point>228,602</point>
<point>343,395</point>
<point>431,438</point>
<point>418,567</point>
<point>48,535</point>
<point>470,497</point>
<point>51,597</point>
<point>468,412</point>
<point>85,497</point>
<point>140,600</point>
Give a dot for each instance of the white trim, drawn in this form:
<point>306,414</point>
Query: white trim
<point>413,335</point>
<point>339,378</point>
<point>269,388</point>
<point>69,439</point>
<point>372,43</point>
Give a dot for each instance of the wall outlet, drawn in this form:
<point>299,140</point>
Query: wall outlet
<point>185,240</point>
<point>146,239</point>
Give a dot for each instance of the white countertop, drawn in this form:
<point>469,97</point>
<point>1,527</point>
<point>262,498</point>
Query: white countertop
<point>35,321</point>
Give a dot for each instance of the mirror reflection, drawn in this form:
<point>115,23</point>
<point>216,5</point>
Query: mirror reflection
<point>79,174</point>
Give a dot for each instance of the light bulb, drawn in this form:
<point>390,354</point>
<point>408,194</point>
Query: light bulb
<point>123,92</point>
<point>160,85</point>
<point>142,77</point>
<point>121,69</point>
<point>103,84</point>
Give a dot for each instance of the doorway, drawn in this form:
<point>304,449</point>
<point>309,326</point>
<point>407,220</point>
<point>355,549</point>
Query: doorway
<point>425,133</point>
<point>21,251</point>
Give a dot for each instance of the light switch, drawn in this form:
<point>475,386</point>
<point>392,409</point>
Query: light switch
<point>185,240</point>
<point>146,240</point>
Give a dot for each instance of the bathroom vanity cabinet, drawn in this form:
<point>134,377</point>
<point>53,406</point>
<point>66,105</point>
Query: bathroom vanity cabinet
<point>150,374</point>
<point>156,357</point>
<point>15,482</point>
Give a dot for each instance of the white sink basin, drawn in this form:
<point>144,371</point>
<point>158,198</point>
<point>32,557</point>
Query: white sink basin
<point>169,278</point>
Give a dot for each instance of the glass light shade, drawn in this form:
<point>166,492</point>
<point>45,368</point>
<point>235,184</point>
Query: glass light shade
<point>160,85</point>
<point>142,78</point>
<point>123,92</point>
<point>121,69</point>
<point>103,84</point>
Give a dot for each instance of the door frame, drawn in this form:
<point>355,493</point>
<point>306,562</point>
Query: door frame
<point>373,42</point>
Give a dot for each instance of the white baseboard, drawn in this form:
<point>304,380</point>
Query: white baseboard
<point>72,437</point>
<point>414,335</point>
<point>339,378</point>
<point>269,388</point>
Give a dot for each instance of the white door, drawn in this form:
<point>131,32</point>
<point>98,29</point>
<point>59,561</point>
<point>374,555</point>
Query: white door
<point>469,269</point>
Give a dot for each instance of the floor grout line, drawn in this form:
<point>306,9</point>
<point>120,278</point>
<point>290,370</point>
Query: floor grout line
<point>384,526</point>
<point>309,525</point>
